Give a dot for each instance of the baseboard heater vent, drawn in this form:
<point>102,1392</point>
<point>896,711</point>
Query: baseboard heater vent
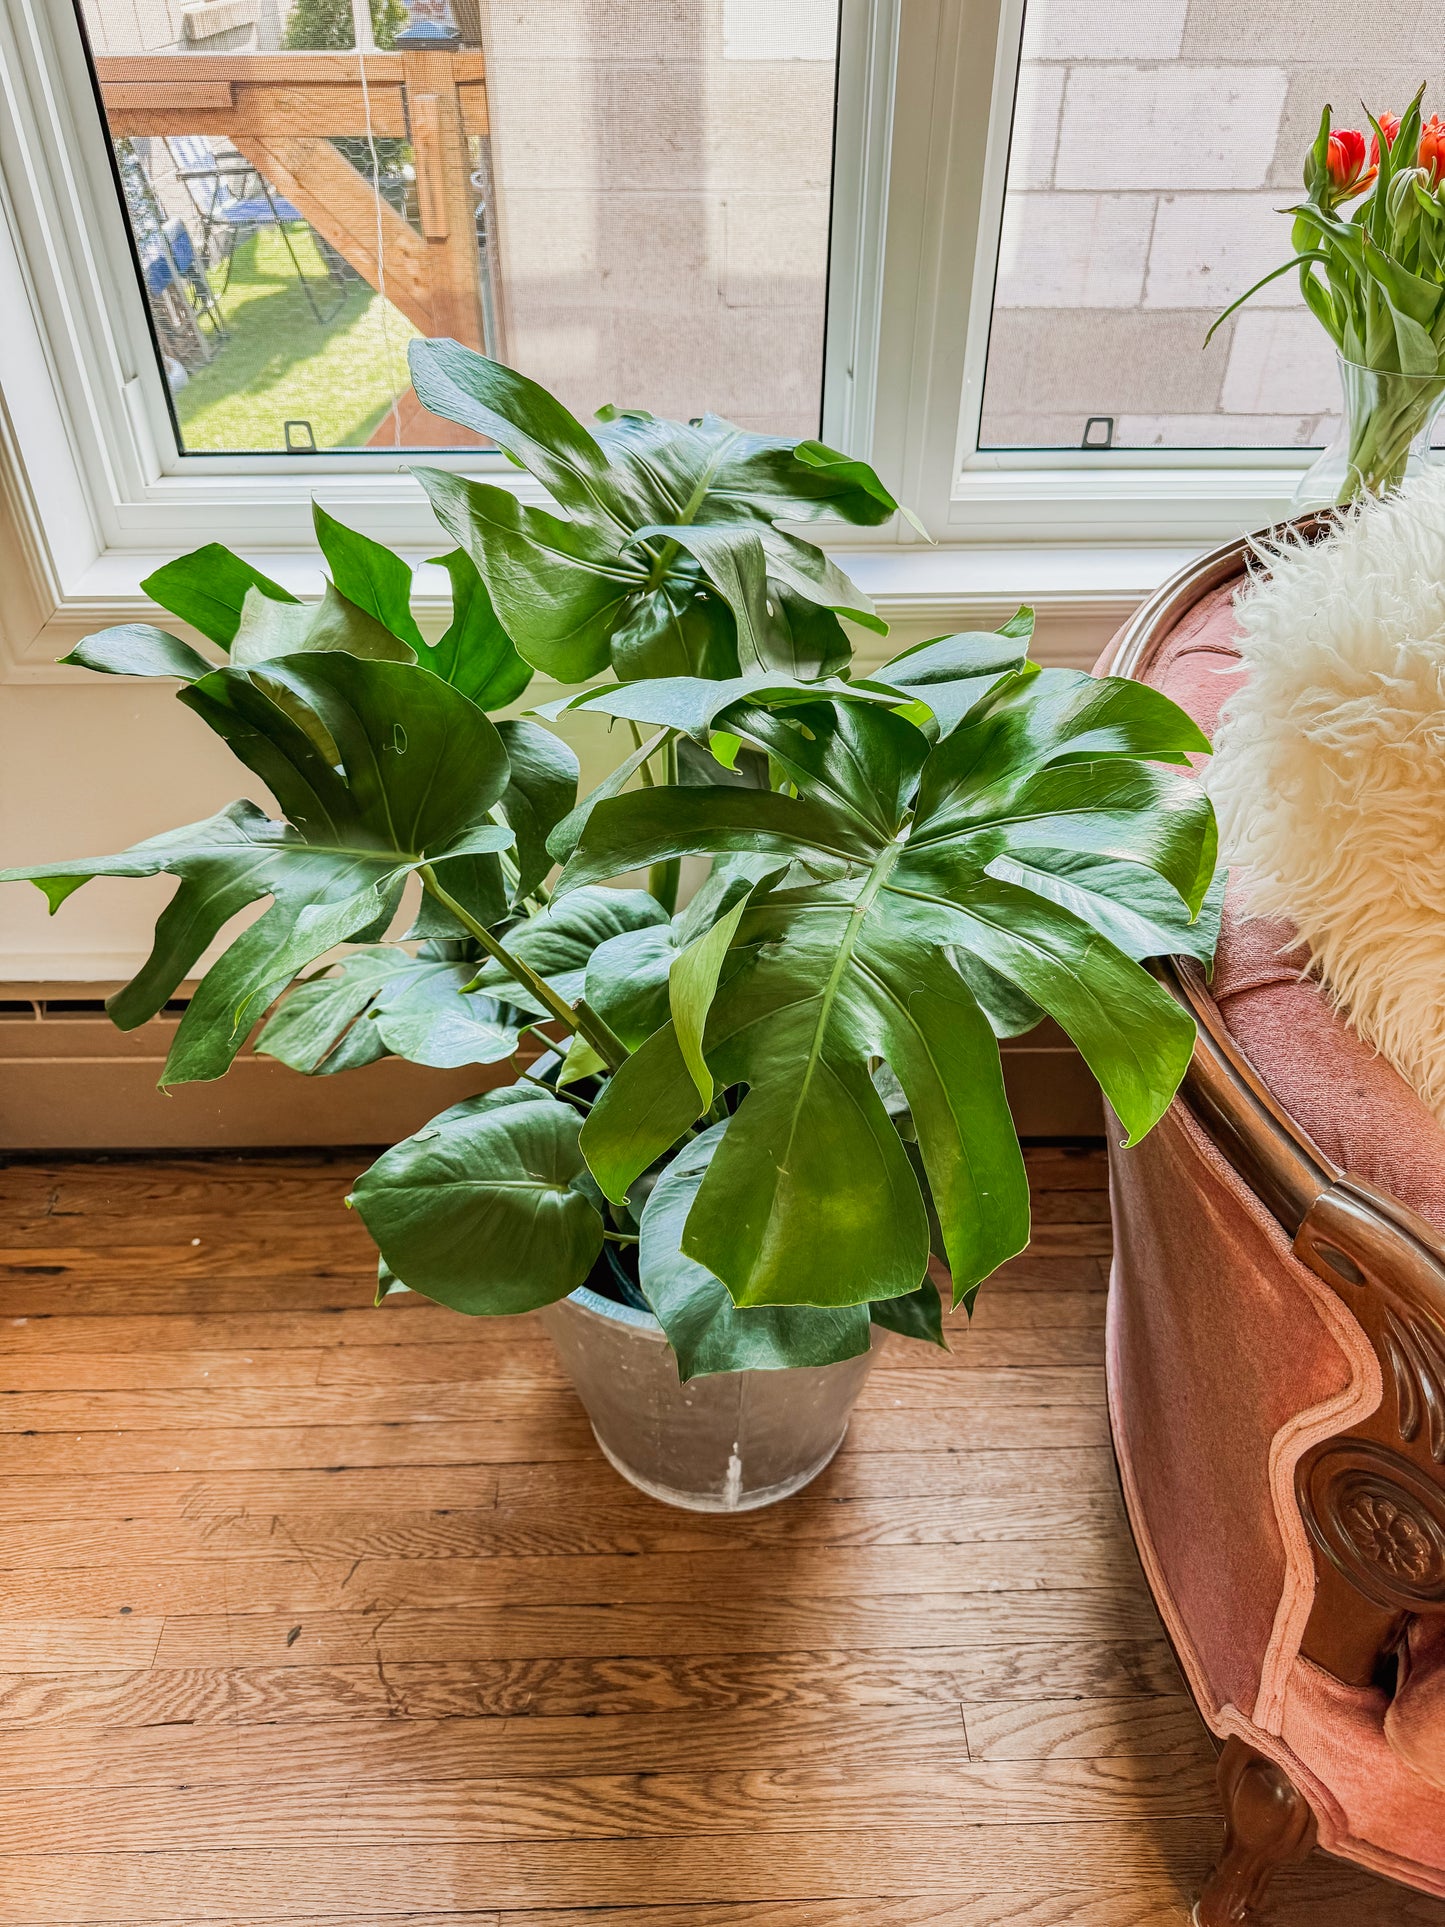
<point>70,1081</point>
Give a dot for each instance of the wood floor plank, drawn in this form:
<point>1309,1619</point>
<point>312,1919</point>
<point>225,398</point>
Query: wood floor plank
<point>1084,1729</point>
<point>293,1582</point>
<point>1089,1858</point>
<point>890,1622</point>
<point>301,1814</point>
<point>588,1688</point>
<point>520,1746</point>
<point>626,1524</point>
<point>544,1429</point>
<point>314,1614</point>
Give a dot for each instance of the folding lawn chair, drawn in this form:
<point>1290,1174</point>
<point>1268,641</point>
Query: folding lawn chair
<point>212,181</point>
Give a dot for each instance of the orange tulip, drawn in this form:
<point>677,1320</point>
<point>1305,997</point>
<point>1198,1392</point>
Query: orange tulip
<point>1346,159</point>
<point>1389,127</point>
<point>1432,147</point>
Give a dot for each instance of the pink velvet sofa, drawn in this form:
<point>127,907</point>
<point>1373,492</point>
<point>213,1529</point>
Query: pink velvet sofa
<point>1277,1377</point>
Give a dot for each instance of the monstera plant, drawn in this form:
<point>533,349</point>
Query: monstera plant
<point>756,1115</point>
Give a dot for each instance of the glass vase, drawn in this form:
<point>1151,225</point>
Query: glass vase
<point>1383,436</point>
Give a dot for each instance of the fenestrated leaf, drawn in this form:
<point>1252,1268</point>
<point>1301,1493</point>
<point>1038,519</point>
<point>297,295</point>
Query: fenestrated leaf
<point>315,1028</point>
<point>866,947</point>
<point>712,472</point>
<point>690,704</point>
<point>707,1332</point>
<point>1134,909</point>
<point>270,629</point>
<point>1131,1033</point>
<point>370,576</point>
<point>137,649</point>
<point>475,654</point>
<point>368,800</point>
<point>486,1208</point>
<point>430,1020</point>
<point>208,588</point>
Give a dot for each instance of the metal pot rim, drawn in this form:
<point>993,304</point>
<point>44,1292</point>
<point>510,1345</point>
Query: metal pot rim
<point>595,1305</point>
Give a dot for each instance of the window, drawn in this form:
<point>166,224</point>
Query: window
<point>977,242</point>
<point>1152,149</point>
<point>628,201</point>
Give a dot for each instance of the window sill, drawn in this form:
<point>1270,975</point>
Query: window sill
<point>1081,593</point>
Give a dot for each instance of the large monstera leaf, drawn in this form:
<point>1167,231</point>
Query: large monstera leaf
<point>667,559</point>
<point>908,875</point>
<point>379,767</point>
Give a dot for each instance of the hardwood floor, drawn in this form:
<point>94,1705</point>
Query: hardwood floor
<point>314,1612</point>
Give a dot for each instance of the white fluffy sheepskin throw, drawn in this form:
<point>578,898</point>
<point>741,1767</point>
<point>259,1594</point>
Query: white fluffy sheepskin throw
<point>1329,768</point>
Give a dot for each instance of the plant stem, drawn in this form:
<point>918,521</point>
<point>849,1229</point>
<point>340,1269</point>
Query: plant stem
<point>620,1238</point>
<point>608,1046</point>
<point>642,769</point>
<point>663,878</point>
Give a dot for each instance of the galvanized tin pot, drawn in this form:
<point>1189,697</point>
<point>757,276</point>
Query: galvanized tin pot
<point>726,1443</point>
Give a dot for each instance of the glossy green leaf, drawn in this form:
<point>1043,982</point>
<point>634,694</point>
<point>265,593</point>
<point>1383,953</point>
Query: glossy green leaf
<point>475,654</point>
<point>486,1208</point>
<point>580,1063</point>
<point>919,1315</point>
<point>520,416</point>
<point>315,1029</point>
<point>707,1332</point>
<point>691,705</point>
<point>648,504</point>
<point>541,790</point>
<point>563,839</point>
<point>382,1001</point>
<point>270,629</point>
<point>692,981</point>
<point>626,979</point>
<point>137,649</point>
<point>370,576</point>
<point>869,945</point>
<point>368,800</point>
<point>560,588</point>
<point>558,942</point>
<point>953,672</point>
<point>208,589</point>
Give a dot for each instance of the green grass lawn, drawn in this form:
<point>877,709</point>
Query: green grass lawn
<point>279,364</point>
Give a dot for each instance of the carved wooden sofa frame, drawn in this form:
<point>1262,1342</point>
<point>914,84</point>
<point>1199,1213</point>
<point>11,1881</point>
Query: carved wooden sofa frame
<point>1372,1497</point>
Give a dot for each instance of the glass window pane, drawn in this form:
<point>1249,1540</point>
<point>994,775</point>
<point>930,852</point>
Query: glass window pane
<point>626,199</point>
<point>1153,147</point>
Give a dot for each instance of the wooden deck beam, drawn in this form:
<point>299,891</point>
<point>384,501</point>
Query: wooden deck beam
<point>281,111</point>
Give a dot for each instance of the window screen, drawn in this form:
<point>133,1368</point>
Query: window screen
<point>627,199</point>
<point>1152,147</point>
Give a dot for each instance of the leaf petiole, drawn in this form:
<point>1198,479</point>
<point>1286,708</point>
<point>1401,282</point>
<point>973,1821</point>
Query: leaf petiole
<point>580,1022</point>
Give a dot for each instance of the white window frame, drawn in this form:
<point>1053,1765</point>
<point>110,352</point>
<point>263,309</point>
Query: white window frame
<point>92,494</point>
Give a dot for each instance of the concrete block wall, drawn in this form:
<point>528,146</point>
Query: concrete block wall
<point>1152,148</point>
<point>662,173</point>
